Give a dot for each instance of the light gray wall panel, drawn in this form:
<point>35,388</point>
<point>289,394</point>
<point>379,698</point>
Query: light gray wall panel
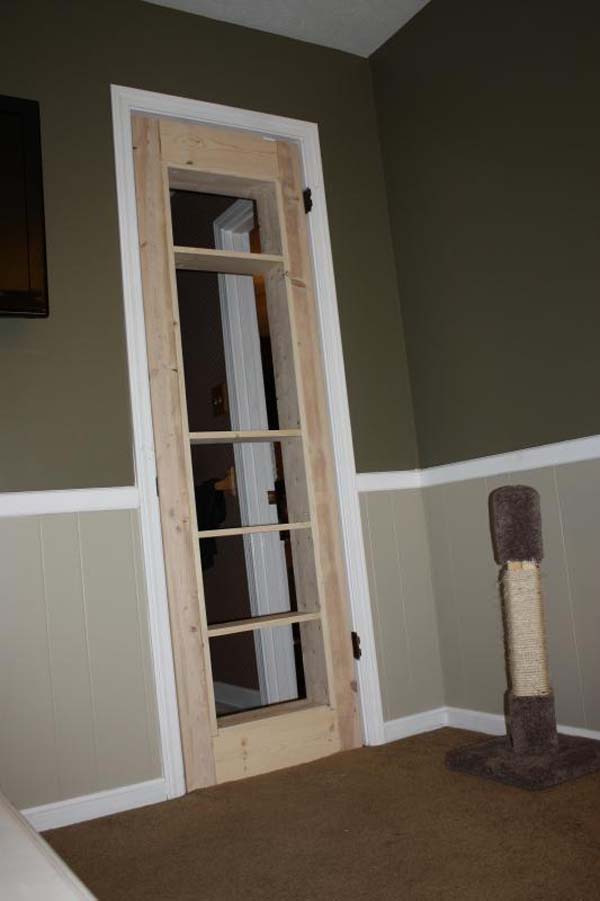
<point>115,651</point>
<point>402,602</point>
<point>476,592</point>
<point>77,699</point>
<point>505,478</point>
<point>387,602</point>
<point>68,652</point>
<point>28,758</point>
<point>579,492</point>
<point>444,588</point>
<point>565,672</point>
<point>410,532</point>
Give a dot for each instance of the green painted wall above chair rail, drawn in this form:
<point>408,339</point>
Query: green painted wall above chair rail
<point>490,140</point>
<point>64,391</point>
<point>462,183</point>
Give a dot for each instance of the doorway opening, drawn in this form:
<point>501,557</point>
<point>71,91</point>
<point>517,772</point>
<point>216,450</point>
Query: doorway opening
<point>191,757</point>
<point>260,619</point>
<point>230,388</point>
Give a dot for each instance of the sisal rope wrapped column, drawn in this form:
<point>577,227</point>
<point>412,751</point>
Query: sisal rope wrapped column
<point>517,537</point>
<point>525,628</point>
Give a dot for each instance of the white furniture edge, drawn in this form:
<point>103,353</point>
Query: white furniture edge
<point>305,135</point>
<point>29,868</point>
<point>460,718</point>
<point>75,500</point>
<point>98,804</point>
<point>557,454</point>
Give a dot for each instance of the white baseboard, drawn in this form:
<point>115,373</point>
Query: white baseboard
<point>427,721</point>
<point>127,797</point>
<point>459,718</point>
<point>494,723</point>
<point>100,804</point>
<point>476,721</point>
<point>236,695</point>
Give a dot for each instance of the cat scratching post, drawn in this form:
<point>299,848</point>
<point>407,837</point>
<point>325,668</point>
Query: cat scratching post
<point>532,755</point>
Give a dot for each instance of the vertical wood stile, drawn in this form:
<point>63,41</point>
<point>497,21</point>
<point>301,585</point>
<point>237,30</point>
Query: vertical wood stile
<point>317,667</point>
<point>316,426</point>
<point>188,634</point>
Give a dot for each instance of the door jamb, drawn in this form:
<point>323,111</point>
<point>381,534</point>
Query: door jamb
<point>125,101</point>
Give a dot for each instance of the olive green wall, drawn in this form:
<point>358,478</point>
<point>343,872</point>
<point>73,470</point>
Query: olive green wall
<point>491,144</point>
<point>63,391</point>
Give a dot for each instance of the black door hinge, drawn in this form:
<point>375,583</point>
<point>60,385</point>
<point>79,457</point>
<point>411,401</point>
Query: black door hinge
<point>356,649</point>
<point>157,491</point>
<point>308,201</point>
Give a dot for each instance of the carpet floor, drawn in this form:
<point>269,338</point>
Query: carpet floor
<point>377,823</point>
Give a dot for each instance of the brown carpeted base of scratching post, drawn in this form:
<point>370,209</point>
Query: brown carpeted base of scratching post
<point>496,759</point>
<point>531,723</point>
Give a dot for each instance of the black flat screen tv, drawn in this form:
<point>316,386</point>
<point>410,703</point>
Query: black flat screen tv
<point>23,285</point>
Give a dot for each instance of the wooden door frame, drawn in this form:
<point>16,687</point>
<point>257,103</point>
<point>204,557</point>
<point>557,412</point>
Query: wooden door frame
<point>126,101</point>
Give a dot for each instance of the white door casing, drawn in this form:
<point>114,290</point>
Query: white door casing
<point>125,102</point>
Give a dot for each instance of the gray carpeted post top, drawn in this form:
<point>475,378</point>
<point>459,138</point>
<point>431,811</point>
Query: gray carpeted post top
<point>516,524</point>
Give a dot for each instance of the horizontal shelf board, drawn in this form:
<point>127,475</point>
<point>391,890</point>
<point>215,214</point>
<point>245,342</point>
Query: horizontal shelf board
<point>260,622</point>
<point>254,530</point>
<point>249,436</point>
<point>227,262</point>
<point>267,713</point>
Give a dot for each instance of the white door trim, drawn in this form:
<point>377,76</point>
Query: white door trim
<point>144,459</point>
<point>305,134</point>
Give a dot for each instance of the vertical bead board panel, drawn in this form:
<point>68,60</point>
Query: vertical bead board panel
<point>77,698</point>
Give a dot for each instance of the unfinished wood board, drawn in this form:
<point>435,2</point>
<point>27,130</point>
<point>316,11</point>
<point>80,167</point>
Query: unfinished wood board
<point>254,530</point>
<point>248,436</point>
<point>207,181</point>
<point>318,665</point>
<point>317,429</point>
<point>227,262</point>
<point>265,713</point>
<point>170,436</point>
<point>218,149</point>
<point>297,736</point>
<point>260,622</point>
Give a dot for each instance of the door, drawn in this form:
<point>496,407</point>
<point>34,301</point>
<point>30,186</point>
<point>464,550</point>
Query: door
<point>301,619</point>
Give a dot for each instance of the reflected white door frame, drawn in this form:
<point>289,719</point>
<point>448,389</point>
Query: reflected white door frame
<point>254,463</point>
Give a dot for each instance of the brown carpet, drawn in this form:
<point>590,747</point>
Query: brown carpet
<point>377,823</point>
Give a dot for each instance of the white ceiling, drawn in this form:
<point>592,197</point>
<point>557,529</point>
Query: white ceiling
<point>357,26</point>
